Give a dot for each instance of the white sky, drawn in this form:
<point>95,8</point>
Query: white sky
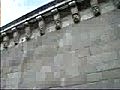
<point>13,9</point>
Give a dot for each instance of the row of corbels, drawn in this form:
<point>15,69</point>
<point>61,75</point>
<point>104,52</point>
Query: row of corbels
<point>57,20</point>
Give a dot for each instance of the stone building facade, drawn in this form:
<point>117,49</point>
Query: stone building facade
<point>70,44</point>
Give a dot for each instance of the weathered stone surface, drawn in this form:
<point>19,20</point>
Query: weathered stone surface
<point>111,74</point>
<point>80,79</point>
<point>111,46</point>
<point>104,57</point>
<point>13,80</point>
<point>94,77</point>
<point>116,83</point>
<point>3,83</point>
<point>91,68</point>
<point>82,52</point>
<point>86,53</point>
<point>108,65</point>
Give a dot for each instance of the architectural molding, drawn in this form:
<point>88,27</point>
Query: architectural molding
<point>38,20</point>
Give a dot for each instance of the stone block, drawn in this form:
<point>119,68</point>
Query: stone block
<point>13,80</point>
<point>94,77</point>
<point>46,51</point>
<point>110,83</point>
<point>29,85</point>
<point>14,62</point>
<point>65,40</point>
<point>103,57</point>
<point>108,65</point>
<point>49,76</point>
<point>82,65</point>
<point>116,83</point>
<point>92,85</point>
<point>51,38</point>
<point>15,69</point>
<point>5,70</point>
<point>109,47</point>
<point>71,71</point>
<point>90,68</point>
<point>58,59</point>
<point>46,69</point>
<point>82,52</point>
<point>107,36</point>
<point>80,79</point>
<point>70,62</point>
<point>3,83</point>
<point>102,84</point>
<point>81,39</point>
<point>29,76</point>
<point>56,75</point>
<point>47,61</point>
<point>30,66</point>
<point>111,74</point>
<point>79,86</point>
<point>40,76</point>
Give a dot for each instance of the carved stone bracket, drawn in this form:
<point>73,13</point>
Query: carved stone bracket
<point>41,25</point>
<point>57,20</point>
<point>16,36</point>
<point>95,7</point>
<point>28,32</point>
<point>74,11</point>
<point>5,42</point>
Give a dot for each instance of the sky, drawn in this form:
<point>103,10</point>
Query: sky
<point>13,9</point>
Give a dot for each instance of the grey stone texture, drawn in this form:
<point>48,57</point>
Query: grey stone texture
<point>83,55</point>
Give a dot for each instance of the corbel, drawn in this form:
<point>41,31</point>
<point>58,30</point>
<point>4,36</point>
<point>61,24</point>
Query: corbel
<point>16,35</point>
<point>41,25</point>
<point>74,11</point>
<point>28,32</point>
<point>6,42</point>
<point>95,7</point>
<point>57,19</point>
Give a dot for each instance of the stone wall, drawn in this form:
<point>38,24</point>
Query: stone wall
<point>83,55</point>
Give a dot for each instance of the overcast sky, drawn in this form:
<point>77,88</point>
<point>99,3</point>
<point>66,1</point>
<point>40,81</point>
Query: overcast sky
<point>13,9</point>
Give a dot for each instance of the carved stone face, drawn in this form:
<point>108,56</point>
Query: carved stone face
<point>16,38</point>
<point>58,24</point>
<point>57,21</point>
<point>96,10</point>
<point>5,42</point>
<point>28,32</point>
<point>42,27</point>
<point>76,18</point>
<point>42,32</point>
